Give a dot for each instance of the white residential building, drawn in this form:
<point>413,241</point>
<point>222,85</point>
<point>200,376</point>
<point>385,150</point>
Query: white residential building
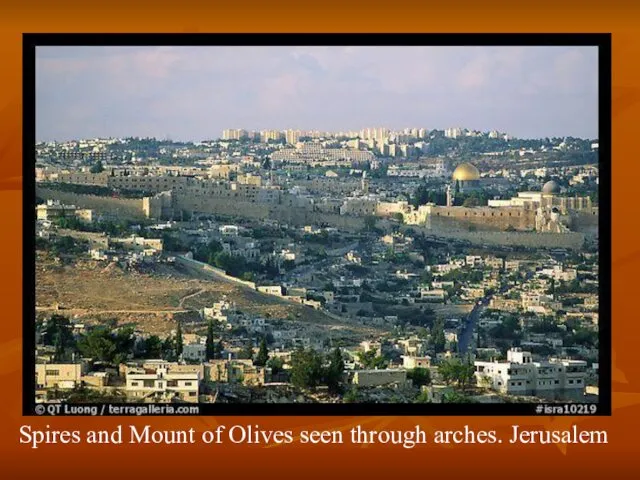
<point>157,384</point>
<point>561,274</point>
<point>520,375</point>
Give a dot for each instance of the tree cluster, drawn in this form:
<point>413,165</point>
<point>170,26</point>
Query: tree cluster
<point>310,369</point>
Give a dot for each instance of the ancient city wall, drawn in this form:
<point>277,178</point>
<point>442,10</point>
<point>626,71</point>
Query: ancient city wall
<point>122,207</point>
<point>284,214</point>
<point>483,218</point>
<point>84,178</point>
<point>219,206</point>
<point>586,221</point>
<point>570,240</point>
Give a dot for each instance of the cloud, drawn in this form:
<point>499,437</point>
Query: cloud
<point>195,92</point>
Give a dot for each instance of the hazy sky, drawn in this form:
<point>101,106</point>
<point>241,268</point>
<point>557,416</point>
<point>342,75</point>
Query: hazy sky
<point>193,93</point>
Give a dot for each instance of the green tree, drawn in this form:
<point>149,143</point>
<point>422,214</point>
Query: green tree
<point>446,369</point>
<point>335,371</point>
<point>306,368</point>
<point>171,243</point>
<point>275,364</point>
<point>455,397</point>
<point>352,396</point>
<point>419,376</point>
<point>169,349</point>
<point>152,347</point>
<point>82,394</point>
<point>263,354</point>
<point>98,344</point>
<point>232,264</point>
<point>210,348</point>
<point>58,332</point>
<point>466,376</point>
<point>370,360</point>
<point>179,345</point>
<point>65,245</point>
<point>219,348</point>
<point>124,340</point>
<point>438,339</point>
<point>509,329</point>
<point>423,397</point>
<point>247,351</point>
<point>398,216</point>
<point>422,333</point>
<point>207,253</point>
<point>97,167</point>
<point>456,371</point>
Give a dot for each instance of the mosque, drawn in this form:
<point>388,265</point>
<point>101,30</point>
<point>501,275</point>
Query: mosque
<point>547,210</point>
<point>550,196</point>
<point>466,176</point>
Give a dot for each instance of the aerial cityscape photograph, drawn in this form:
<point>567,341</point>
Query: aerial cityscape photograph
<point>317,225</point>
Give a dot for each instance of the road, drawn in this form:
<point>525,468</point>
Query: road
<point>87,311</point>
<point>191,295</point>
<point>466,332</point>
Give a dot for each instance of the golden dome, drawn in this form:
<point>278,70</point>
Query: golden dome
<point>466,172</point>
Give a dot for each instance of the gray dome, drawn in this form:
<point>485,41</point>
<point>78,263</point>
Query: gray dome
<point>551,187</point>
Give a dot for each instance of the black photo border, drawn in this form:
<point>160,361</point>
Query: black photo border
<point>600,40</point>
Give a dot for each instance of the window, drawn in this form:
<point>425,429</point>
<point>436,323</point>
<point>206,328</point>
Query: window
<point>557,382</point>
<point>53,373</point>
<point>134,384</point>
<point>570,382</point>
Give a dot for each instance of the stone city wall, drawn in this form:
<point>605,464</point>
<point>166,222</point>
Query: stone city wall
<point>121,207</point>
<point>483,218</point>
<point>285,214</point>
<point>570,240</point>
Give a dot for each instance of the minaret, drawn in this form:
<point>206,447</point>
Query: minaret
<point>449,197</point>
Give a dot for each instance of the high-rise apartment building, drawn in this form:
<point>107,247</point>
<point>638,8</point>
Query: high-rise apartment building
<point>266,135</point>
<point>234,134</point>
<point>453,132</point>
<point>292,136</point>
